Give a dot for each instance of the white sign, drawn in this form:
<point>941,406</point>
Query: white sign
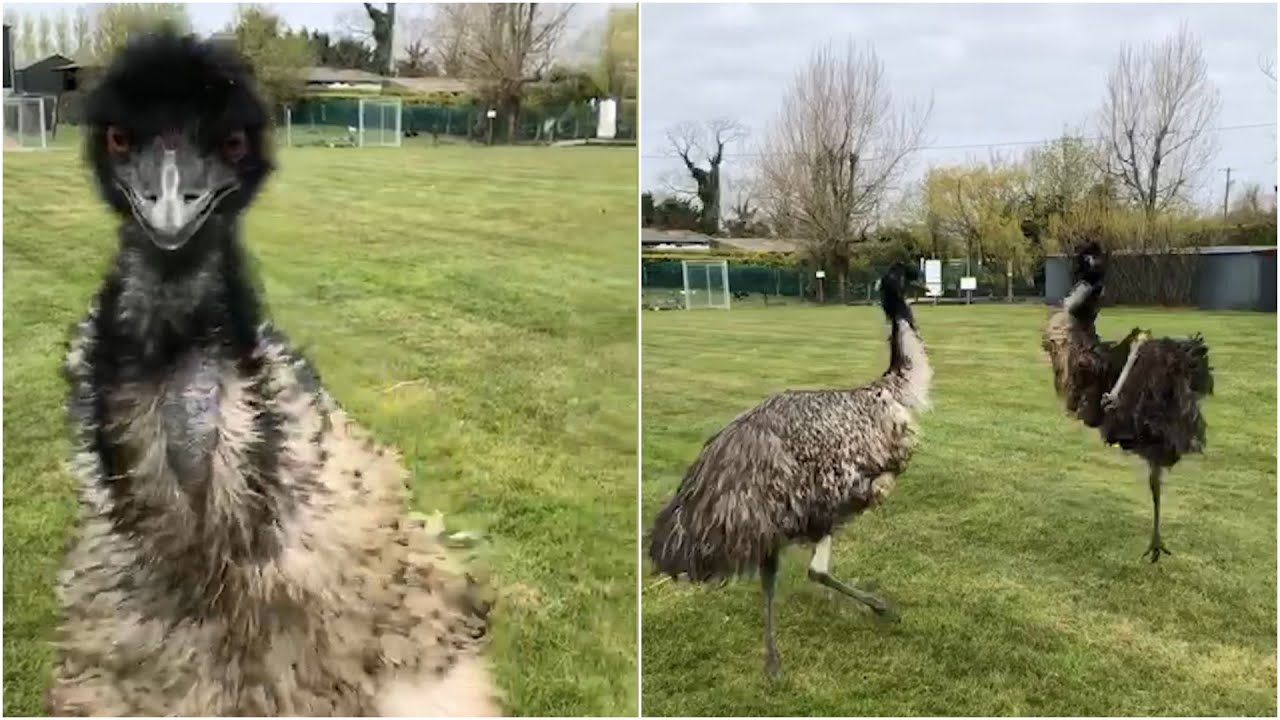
<point>820,274</point>
<point>607,120</point>
<point>492,114</point>
<point>933,277</point>
<point>968,283</point>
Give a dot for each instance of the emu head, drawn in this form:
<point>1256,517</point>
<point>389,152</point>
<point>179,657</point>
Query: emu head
<point>893,285</point>
<point>176,138</point>
<point>1088,263</point>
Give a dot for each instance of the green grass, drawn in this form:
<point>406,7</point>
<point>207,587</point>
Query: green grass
<point>1011,545</point>
<point>474,307</point>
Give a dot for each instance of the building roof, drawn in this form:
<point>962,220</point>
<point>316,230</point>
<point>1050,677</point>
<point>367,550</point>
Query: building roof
<point>777,245</point>
<point>654,236</point>
<point>433,84</point>
<point>1202,250</point>
<point>53,62</point>
<point>326,75</point>
<point>74,66</point>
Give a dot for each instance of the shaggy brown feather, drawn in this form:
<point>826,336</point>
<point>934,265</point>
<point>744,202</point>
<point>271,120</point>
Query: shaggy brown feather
<point>243,546</point>
<point>794,467</point>
<point>357,604</point>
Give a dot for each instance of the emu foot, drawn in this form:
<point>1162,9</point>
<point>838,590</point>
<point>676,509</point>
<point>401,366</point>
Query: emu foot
<point>1109,401</point>
<point>771,666</point>
<point>1155,549</point>
<point>883,609</point>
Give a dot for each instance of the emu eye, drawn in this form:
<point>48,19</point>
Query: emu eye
<point>235,146</point>
<point>117,140</point>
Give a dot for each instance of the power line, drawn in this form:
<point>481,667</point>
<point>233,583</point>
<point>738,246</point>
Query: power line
<point>1011,143</point>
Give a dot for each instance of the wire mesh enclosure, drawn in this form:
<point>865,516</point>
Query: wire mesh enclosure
<point>379,123</point>
<point>24,123</point>
<point>706,284</point>
<point>343,122</point>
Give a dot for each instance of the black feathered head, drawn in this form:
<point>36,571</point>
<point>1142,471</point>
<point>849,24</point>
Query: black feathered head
<point>1088,264</point>
<point>176,136</point>
<point>893,286</point>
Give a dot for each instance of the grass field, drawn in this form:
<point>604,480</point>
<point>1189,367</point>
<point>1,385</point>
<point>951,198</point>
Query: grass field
<point>1011,545</point>
<point>475,307</point>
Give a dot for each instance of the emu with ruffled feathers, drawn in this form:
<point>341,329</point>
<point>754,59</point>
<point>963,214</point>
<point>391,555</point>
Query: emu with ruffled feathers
<point>1141,393</point>
<point>796,467</point>
<point>243,546</point>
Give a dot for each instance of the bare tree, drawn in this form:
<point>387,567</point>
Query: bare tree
<point>698,144</point>
<point>449,25</point>
<point>1268,67</point>
<point>839,144</point>
<point>413,42</point>
<point>1157,120</point>
<point>384,23</point>
<point>503,47</point>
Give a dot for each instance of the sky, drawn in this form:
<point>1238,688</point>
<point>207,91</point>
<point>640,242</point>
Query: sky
<point>209,17</point>
<point>997,73</point>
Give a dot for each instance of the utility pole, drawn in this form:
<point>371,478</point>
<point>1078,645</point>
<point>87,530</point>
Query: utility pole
<point>1226,193</point>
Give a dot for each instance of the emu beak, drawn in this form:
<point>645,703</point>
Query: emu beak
<point>173,191</point>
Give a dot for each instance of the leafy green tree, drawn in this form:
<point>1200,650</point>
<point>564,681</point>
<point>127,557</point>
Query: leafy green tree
<point>977,208</point>
<point>114,24</point>
<point>615,68</point>
<point>277,55</point>
<point>44,37</point>
<point>63,42</point>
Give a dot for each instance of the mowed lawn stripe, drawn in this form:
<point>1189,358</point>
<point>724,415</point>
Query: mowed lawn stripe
<point>1011,544</point>
<point>472,306</point>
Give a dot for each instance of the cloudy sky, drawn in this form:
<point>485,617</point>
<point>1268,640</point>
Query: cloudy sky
<point>997,73</point>
<point>210,17</point>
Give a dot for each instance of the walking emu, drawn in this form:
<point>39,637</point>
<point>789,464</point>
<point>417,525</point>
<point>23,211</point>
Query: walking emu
<point>794,468</point>
<point>243,547</point>
<point>1141,393</point>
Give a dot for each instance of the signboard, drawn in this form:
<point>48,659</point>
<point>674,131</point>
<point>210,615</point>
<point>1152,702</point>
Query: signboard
<point>492,114</point>
<point>607,119</point>
<point>933,277</point>
<point>820,274</point>
<point>968,283</point>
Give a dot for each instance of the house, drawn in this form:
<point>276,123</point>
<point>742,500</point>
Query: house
<point>43,77</point>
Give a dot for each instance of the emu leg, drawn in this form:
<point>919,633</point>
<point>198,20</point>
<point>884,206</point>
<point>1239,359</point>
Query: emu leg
<point>1109,398</point>
<point>820,572</point>
<point>768,579</point>
<point>1157,546</point>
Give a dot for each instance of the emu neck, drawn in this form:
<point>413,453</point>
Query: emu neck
<point>157,307</point>
<point>909,364</point>
<point>186,432</point>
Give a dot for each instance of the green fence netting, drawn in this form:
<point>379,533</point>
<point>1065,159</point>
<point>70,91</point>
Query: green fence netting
<point>860,282</point>
<point>322,117</point>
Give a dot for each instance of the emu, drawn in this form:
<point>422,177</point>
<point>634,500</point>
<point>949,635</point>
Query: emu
<point>796,467</point>
<point>1141,393</point>
<point>243,546</point>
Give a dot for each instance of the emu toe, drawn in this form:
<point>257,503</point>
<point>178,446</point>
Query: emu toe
<point>1155,549</point>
